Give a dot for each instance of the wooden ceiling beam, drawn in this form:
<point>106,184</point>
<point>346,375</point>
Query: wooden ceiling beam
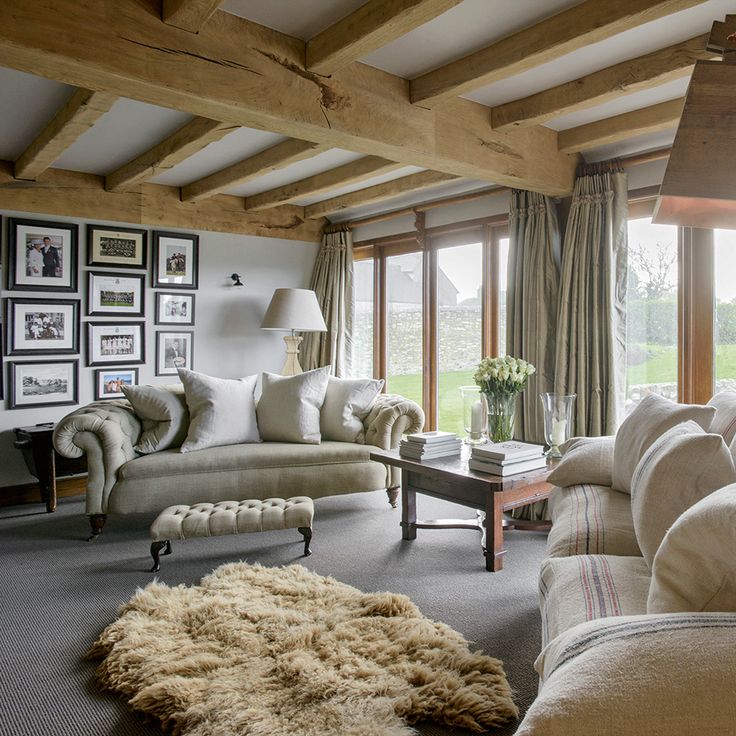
<point>378,193</point>
<point>351,173</point>
<point>273,158</point>
<point>719,33</point>
<point>653,119</point>
<point>185,142</point>
<point>245,74</point>
<point>189,15</point>
<point>83,109</point>
<point>572,29</point>
<point>368,28</point>
<point>634,75</point>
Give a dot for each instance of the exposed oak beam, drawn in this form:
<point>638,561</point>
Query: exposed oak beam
<point>273,158</point>
<point>378,193</point>
<point>242,73</point>
<point>78,115</point>
<point>653,119</point>
<point>720,32</point>
<point>366,29</point>
<point>185,142</point>
<point>634,75</point>
<point>352,173</point>
<point>572,29</point>
<point>190,15</point>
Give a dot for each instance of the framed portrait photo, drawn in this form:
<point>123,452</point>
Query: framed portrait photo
<point>173,351</point>
<point>109,382</point>
<point>42,326</point>
<point>115,294</point>
<point>38,383</point>
<point>42,255</point>
<point>175,260</point>
<point>174,309</point>
<point>107,246</point>
<point>115,343</point>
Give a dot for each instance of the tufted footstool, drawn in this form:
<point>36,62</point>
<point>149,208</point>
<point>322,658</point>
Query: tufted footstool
<point>230,517</point>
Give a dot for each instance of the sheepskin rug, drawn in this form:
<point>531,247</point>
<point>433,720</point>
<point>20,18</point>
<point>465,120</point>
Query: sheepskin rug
<point>262,651</point>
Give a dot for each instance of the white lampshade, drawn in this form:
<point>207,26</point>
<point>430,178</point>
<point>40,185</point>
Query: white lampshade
<point>294,309</point>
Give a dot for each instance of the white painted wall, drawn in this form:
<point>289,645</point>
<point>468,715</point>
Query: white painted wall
<point>227,339</point>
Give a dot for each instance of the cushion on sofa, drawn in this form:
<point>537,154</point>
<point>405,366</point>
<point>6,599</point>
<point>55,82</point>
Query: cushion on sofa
<point>222,411</point>
<point>585,460</point>
<point>694,567</point>
<point>347,403</point>
<point>724,422</point>
<point>163,413</point>
<point>289,407</point>
<point>587,587</point>
<point>682,466</point>
<point>591,519</point>
<point>651,418</point>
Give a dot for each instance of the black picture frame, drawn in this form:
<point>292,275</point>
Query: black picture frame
<point>139,263</point>
<point>190,312</point>
<point>101,312</point>
<point>13,367</point>
<point>116,360</point>
<point>36,283</point>
<point>188,241</point>
<point>188,364</point>
<point>11,306</point>
<point>99,374</point>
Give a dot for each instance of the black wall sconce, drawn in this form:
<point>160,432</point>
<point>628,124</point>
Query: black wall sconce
<point>236,279</point>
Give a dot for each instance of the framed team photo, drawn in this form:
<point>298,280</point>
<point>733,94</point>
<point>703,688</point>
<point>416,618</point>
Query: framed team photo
<point>42,255</point>
<point>108,246</point>
<point>173,351</point>
<point>52,383</point>
<point>115,343</point>
<point>42,326</point>
<point>174,309</point>
<point>175,260</point>
<point>109,382</point>
<point>115,294</point>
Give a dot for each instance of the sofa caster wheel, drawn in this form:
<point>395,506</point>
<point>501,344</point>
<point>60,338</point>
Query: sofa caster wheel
<point>306,532</point>
<point>96,522</point>
<point>156,548</point>
<point>393,496</point>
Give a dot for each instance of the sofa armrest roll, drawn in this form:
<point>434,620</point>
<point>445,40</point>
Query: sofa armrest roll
<point>391,417</point>
<point>106,431</point>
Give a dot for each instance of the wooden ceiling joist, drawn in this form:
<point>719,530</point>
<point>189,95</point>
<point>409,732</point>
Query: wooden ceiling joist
<point>273,158</point>
<point>572,29</point>
<point>83,109</point>
<point>245,74</point>
<point>366,29</point>
<point>185,142</point>
<point>378,193</point>
<point>189,15</point>
<point>634,75</point>
<point>719,33</point>
<point>653,119</point>
<point>351,173</point>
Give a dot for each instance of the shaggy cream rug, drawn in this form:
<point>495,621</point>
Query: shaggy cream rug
<point>261,651</point>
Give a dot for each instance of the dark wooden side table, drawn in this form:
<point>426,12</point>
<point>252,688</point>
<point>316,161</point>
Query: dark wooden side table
<point>450,479</point>
<point>43,462</point>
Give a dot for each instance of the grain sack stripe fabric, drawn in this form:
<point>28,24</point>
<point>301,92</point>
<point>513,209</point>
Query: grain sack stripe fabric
<point>543,593</point>
<point>599,590</point>
<point>586,537</point>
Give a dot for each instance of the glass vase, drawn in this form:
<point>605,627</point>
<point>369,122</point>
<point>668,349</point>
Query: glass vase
<point>501,410</point>
<point>474,414</point>
<point>558,419</point>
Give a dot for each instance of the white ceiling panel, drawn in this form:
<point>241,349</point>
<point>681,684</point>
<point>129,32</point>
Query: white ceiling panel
<point>126,131</point>
<point>300,170</point>
<point>29,103</point>
<point>234,147</point>
<point>640,144</point>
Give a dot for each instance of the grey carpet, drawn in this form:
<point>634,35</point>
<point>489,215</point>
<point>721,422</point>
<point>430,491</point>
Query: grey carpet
<point>59,592</point>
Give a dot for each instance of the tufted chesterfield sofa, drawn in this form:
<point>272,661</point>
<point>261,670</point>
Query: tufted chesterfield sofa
<point>121,481</point>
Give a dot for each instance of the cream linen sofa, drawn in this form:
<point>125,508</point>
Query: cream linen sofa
<point>607,667</point>
<point>121,481</point>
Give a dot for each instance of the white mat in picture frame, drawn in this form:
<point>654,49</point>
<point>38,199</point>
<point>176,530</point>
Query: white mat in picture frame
<point>109,382</point>
<point>114,294</point>
<point>38,383</point>
<point>42,326</point>
<point>174,350</point>
<point>113,343</point>
<point>174,309</point>
<point>175,260</point>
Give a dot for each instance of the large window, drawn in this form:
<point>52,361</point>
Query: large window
<point>361,363</point>
<point>503,277</point>
<point>724,337</point>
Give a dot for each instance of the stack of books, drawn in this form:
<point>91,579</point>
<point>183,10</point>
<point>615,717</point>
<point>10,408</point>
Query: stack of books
<point>429,445</point>
<point>507,458</point>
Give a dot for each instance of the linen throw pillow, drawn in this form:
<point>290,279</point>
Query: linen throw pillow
<point>289,407</point>
<point>222,410</point>
<point>163,413</point>
<point>724,422</point>
<point>653,416</point>
<point>682,466</point>
<point>585,460</point>
<point>693,569</point>
<point>347,404</point>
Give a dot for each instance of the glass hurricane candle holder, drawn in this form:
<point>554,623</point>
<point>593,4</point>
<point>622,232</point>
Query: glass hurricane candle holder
<point>474,415</point>
<point>558,418</point>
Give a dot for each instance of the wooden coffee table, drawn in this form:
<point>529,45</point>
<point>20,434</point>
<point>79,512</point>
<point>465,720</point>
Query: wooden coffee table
<point>450,479</point>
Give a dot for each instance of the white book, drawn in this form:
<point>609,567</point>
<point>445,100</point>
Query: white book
<point>511,450</point>
<point>434,446</point>
<point>504,463</point>
<point>429,438</point>
<point>445,448</point>
<point>522,467</point>
<point>414,455</point>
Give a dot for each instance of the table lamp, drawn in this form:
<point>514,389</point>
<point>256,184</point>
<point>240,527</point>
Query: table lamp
<point>293,310</point>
